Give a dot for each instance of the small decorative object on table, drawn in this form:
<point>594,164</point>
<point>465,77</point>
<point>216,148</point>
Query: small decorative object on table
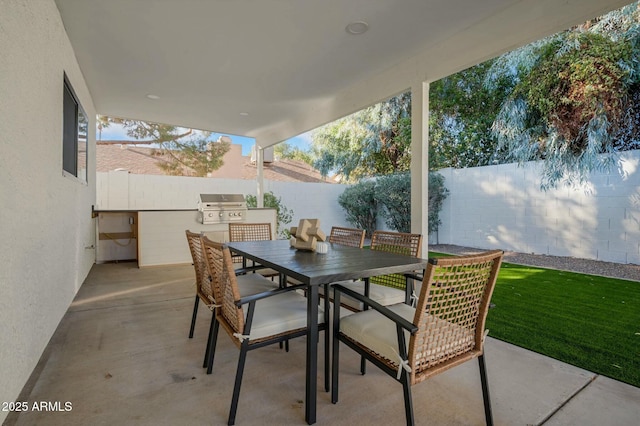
<point>306,235</point>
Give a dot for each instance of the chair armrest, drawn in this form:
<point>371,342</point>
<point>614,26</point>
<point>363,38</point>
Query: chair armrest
<point>378,307</point>
<point>414,276</point>
<point>247,269</point>
<point>268,293</point>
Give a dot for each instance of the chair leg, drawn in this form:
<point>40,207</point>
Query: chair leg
<point>334,368</point>
<point>238,382</point>
<point>212,343</point>
<point>485,391</point>
<point>408,402</point>
<point>363,365</point>
<point>205,363</point>
<point>194,316</point>
<point>327,330</point>
<point>335,360</point>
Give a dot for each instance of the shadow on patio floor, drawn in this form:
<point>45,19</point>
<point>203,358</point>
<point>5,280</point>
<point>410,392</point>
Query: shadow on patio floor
<point>121,356</point>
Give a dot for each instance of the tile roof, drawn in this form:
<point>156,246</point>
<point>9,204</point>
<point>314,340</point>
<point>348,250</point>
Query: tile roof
<point>111,155</point>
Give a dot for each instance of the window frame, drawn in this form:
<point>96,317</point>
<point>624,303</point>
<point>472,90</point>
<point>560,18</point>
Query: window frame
<point>75,126</point>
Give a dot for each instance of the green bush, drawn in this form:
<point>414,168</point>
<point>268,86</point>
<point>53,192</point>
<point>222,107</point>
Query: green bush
<point>360,205</point>
<point>437,194</point>
<point>284,215</point>
<point>391,195</point>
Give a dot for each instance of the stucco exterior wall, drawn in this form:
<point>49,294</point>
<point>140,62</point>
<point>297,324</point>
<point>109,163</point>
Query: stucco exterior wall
<point>503,207</point>
<point>46,230</point>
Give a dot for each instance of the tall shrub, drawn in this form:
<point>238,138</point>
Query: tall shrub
<point>360,205</point>
<point>393,193</point>
<point>437,194</point>
<point>391,196</point>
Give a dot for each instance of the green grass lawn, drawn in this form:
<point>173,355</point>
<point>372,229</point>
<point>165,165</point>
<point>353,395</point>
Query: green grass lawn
<point>588,321</point>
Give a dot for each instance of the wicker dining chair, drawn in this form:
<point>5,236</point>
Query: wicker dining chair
<point>254,321</point>
<point>251,232</point>
<point>203,284</point>
<point>444,330</point>
<point>249,285</point>
<point>392,288</point>
<point>351,237</point>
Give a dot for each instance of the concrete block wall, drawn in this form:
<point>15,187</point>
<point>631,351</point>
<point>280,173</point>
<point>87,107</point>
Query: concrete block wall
<point>503,207</point>
<point>120,190</point>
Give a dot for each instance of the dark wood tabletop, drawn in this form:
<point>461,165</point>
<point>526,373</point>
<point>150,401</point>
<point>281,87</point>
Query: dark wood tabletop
<point>316,269</point>
<point>338,264</point>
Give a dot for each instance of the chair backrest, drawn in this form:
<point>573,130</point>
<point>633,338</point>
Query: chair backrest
<point>249,231</point>
<point>225,286</point>
<point>395,242</point>
<point>203,278</point>
<point>451,312</point>
<point>351,237</point>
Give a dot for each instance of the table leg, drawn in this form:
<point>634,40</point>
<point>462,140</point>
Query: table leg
<point>312,355</point>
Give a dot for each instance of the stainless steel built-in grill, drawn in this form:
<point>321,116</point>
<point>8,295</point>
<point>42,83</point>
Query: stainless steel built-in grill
<point>222,208</point>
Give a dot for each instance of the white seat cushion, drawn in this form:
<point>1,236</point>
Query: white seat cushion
<point>281,313</point>
<point>377,332</point>
<point>379,293</point>
<point>253,284</point>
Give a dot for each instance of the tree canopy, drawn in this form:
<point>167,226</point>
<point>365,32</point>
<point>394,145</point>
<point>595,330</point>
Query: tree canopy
<point>574,102</point>
<point>571,100</point>
<point>373,141</point>
<point>182,148</point>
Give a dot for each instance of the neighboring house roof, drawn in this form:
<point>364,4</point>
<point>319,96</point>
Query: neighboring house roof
<point>111,155</point>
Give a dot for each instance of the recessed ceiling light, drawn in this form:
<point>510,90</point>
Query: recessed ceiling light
<point>244,114</point>
<point>357,27</point>
<point>154,97</point>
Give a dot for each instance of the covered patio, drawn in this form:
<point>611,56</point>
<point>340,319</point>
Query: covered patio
<point>121,356</point>
<point>112,338</point>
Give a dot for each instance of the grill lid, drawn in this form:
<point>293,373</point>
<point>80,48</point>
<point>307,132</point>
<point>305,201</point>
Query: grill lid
<point>236,199</point>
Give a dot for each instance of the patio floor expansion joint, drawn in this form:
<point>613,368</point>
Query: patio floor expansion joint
<point>571,397</point>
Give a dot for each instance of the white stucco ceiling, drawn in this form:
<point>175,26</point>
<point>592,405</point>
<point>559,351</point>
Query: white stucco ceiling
<point>289,64</point>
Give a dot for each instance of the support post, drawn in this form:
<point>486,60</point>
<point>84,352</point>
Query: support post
<point>420,162</point>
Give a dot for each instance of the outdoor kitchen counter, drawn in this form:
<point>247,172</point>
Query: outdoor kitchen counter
<point>161,237</point>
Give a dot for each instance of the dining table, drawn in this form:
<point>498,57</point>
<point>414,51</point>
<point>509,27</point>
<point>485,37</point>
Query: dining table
<point>314,270</point>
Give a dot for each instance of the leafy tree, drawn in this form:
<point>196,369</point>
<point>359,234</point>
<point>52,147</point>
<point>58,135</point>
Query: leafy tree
<point>462,109</point>
<point>373,141</point>
<point>284,215</point>
<point>574,97</point>
<point>184,148</point>
<point>284,150</point>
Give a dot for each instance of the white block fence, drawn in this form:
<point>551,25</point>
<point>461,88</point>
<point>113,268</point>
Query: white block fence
<point>488,207</point>
<point>120,190</point>
<point>503,207</point>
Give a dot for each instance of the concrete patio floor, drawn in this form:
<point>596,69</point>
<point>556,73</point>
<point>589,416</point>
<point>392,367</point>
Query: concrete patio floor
<point>121,356</point>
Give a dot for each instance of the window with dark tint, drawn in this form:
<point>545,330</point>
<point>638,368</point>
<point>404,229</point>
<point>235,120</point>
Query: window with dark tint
<point>74,134</point>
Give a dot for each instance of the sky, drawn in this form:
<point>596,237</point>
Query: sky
<point>116,133</point>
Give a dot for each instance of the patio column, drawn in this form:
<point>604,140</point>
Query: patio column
<point>260,176</point>
<point>420,162</point>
